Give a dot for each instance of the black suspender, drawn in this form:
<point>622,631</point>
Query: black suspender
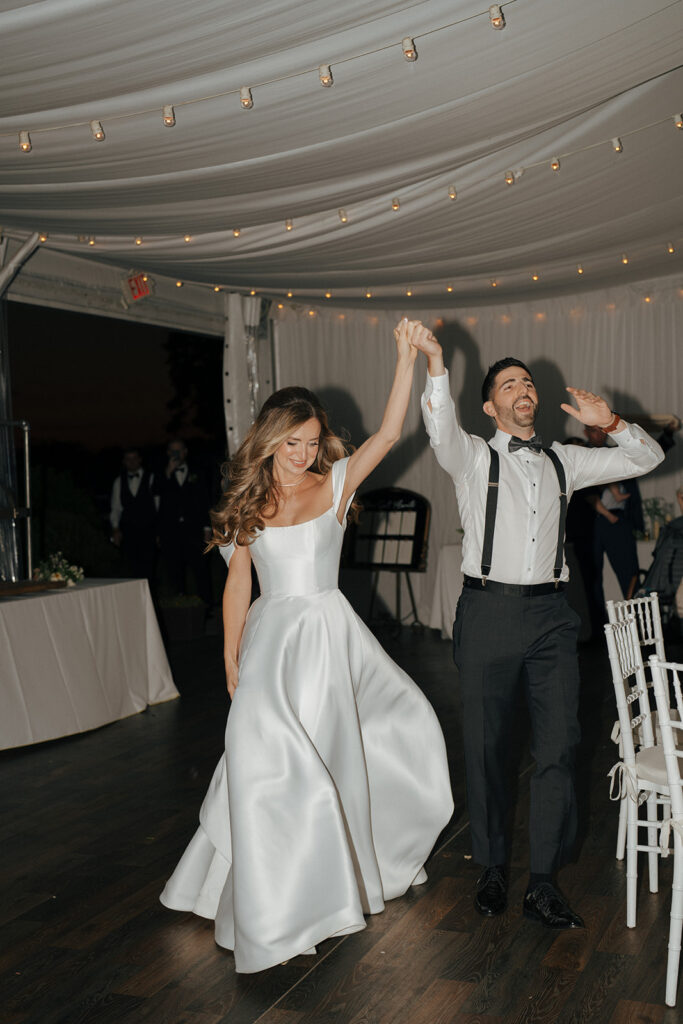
<point>492,506</point>
<point>562,480</point>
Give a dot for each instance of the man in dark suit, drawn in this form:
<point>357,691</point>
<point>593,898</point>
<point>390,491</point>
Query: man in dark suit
<point>133,516</point>
<point>183,521</point>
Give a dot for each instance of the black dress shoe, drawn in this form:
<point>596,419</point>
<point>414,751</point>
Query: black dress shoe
<point>545,904</point>
<point>491,896</point>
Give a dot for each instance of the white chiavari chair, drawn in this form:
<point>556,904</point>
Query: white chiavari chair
<point>640,776</point>
<point>667,678</point>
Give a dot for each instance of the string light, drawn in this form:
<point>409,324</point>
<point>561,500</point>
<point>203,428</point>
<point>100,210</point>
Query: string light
<point>678,121</point>
<point>237,232</point>
<point>343,217</point>
<point>187,238</point>
<point>368,295</point>
<point>246,98</point>
<point>328,295</point>
<point>91,240</point>
<point>280,305</point>
<point>452,194</point>
<point>289,295</point>
<point>252,292</point>
<point>510,177</point>
<point>216,288</point>
<point>97,131</point>
<point>42,237</point>
<point>449,288</point>
<point>670,248</point>
<point>311,312</point>
<point>534,277</point>
<point>494,283</point>
<point>496,16</point>
<point>25,142</point>
<point>179,284</point>
<point>138,241</point>
<point>408,292</point>
<point>408,47</point>
<point>288,224</point>
<point>326,78</point>
<point>395,204</point>
<point>555,164</point>
<point>617,145</point>
<point>579,269</point>
<point>624,258</point>
<point>169,116</point>
<point>648,298</point>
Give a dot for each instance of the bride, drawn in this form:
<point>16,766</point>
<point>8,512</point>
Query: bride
<point>334,784</point>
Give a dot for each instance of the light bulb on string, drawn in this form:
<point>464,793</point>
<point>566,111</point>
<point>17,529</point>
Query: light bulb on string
<point>326,79</point>
<point>236,232</point>
<point>395,204</point>
<point>290,295</point>
<point>494,283</point>
<point>216,288</point>
<point>25,142</point>
<point>252,292</point>
<point>408,47</point>
<point>496,17</point>
<point>670,248</point>
<point>534,277</point>
<point>246,97</point>
<point>678,121</point>
<point>138,240</point>
<point>328,295</point>
<point>555,164</point>
<point>179,284</point>
<point>617,145</point>
<point>449,288</point>
<point>343,216</point>
<point>187,238</point>
<point>368,295</point>
<point>91,240</point>
<point>452,194</point>
<point>97,131</point>
<point>42,237</point>
<point>169,116</point>
<point>509,177</point>
<point>624,258</point>
<point>579,269</point>
<point>289,224</point>
<point>409,292</point>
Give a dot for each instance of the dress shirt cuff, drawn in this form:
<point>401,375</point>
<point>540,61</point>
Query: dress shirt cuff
<point>437,393</point>
<point>633,436</point>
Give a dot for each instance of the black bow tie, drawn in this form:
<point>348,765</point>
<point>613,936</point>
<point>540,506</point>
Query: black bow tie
<point>535,443</point>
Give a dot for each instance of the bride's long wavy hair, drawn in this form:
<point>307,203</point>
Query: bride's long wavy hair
<point>249,492</point>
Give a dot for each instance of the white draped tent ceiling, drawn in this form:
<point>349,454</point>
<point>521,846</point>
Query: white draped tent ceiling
<point>560,81</point>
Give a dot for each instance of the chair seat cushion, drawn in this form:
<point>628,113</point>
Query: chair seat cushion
<point>650,766</point>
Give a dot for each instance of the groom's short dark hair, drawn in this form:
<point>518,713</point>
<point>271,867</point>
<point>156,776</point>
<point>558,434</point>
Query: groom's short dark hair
<point>494,370</point>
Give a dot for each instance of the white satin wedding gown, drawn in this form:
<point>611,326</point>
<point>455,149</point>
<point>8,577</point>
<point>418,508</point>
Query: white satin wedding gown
<point>334,784</point>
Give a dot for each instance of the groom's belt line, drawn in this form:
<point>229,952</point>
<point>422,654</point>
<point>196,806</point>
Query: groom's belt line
<point>513,589</point>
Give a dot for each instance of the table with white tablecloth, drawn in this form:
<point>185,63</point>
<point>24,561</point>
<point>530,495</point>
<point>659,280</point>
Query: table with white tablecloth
<point>76,658</point>
<point>449,584</point>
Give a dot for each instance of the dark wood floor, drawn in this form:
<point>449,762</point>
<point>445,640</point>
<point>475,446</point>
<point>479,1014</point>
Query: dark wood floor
<point>90,828</point>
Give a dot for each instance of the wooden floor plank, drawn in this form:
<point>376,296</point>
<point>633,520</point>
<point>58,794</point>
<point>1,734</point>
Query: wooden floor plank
<point>91,827</point>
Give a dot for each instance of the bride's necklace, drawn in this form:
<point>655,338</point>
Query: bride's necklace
<point>278,484</point>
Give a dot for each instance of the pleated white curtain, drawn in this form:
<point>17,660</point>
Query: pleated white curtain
<point>626,343</point>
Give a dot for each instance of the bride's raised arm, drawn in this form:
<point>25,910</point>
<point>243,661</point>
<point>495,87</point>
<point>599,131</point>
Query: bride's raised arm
<point>370,454</point>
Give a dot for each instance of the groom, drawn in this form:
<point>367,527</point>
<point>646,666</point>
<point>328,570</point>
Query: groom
<point>513,628</point>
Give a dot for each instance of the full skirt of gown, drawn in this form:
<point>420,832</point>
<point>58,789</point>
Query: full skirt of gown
<point>334,782</point>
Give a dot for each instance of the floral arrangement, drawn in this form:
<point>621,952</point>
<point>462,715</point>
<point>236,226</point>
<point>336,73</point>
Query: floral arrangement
<point>55,569</point>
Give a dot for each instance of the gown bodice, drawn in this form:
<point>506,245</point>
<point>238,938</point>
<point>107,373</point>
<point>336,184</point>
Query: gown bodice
<point>302,559</point>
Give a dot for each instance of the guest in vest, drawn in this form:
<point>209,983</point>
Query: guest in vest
<point>133,516</point>
<point>184,502</point>
<point>514,631</point>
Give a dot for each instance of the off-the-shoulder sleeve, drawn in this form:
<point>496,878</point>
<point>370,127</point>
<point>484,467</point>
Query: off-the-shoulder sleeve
<point>338,478</point>
<point>227,551</point>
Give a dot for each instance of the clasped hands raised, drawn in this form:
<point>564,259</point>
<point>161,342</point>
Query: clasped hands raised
<point>592,411</point>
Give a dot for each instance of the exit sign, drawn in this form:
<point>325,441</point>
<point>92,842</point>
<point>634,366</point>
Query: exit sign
<point>138,286</point>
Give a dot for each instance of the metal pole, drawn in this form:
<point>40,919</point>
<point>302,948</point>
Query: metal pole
<point>27,471</point>
<point>9,272</point>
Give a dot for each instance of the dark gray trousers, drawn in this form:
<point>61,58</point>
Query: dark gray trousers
<point>505,645</point>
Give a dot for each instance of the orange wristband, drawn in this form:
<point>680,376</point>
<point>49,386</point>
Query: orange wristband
<point>613,425</point>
